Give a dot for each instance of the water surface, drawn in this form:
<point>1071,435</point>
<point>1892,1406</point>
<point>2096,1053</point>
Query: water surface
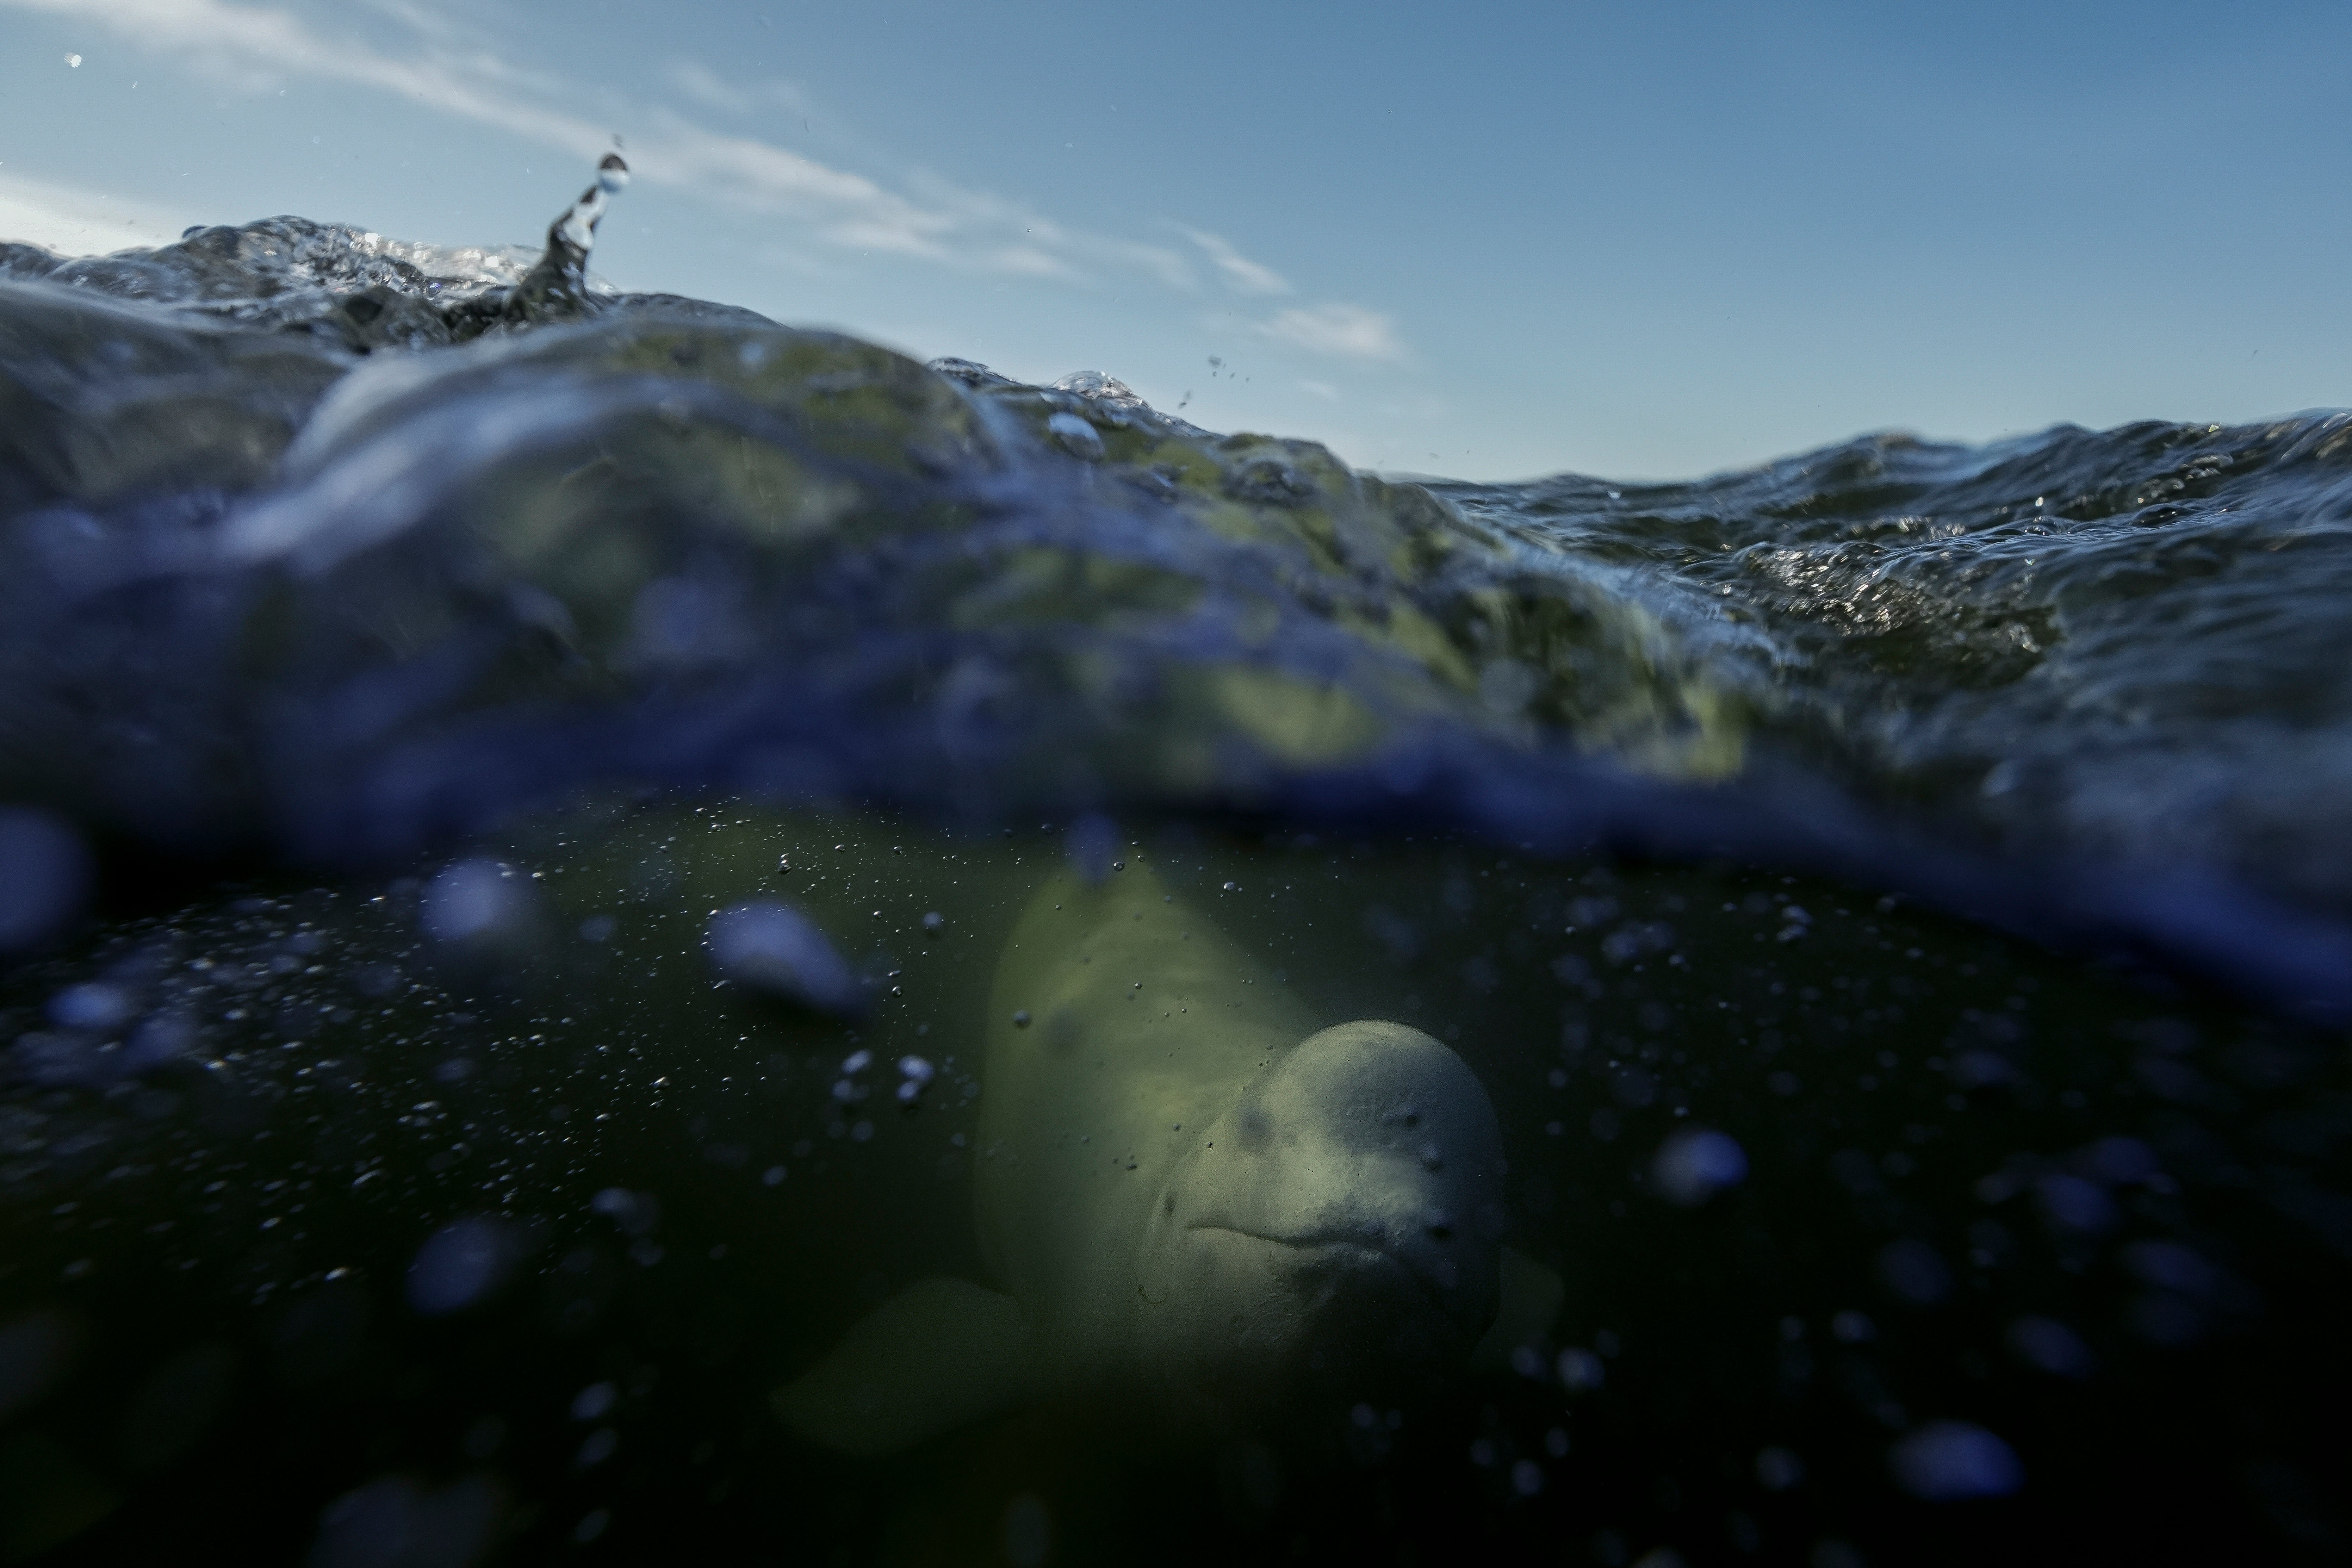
<point>408,653</point>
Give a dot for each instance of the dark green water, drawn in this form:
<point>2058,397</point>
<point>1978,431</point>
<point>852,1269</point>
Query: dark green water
<point>1947,1134</point>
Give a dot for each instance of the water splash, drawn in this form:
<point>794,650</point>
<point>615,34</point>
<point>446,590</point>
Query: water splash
<point>557,288</point>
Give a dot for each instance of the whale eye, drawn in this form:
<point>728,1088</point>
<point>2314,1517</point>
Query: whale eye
<point>1168,1204</point>
<point>1437,1222</point>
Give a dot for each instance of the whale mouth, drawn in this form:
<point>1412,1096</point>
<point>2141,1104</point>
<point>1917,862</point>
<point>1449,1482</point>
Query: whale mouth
<point>1319,1238</point>
<point>1436,1277</point>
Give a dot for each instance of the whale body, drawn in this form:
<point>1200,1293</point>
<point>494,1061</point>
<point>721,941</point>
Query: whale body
<point>1192,1198</point>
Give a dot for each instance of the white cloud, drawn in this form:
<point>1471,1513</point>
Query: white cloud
<point>704,84</point>
<point>250,44</point>
<point>707,87</point>
<point>747,172</point>
<point>1342,331</point>
<point>1242,273</point>
<point>76,223</point>
<point>1028,261</point>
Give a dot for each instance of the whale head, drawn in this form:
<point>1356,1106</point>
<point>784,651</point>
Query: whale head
<point>1334,1230</point>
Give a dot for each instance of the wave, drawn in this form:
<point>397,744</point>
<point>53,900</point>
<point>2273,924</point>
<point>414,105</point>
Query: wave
<point>326,547</point>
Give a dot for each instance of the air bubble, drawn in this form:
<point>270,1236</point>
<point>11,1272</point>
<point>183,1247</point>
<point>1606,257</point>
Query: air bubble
<point>461,1264</point>
<point>45,874</point>
<point>1914,1271</point>
<point>1777,1469</point>
<point>473,902</point>
<point>1946,1461</point>
<point>1695,1163</point>
<point>1581,1370</point>
<point>2050,1347</point>
<point>773,947</point>
<point>1093,841</point>
<point>1075,435</point>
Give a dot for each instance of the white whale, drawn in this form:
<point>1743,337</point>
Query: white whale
<point>1194,1200</point>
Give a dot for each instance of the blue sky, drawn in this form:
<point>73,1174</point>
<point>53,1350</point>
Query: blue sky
<point>1486,240</point>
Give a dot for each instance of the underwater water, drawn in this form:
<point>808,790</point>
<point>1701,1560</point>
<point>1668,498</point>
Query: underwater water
<point>1894,899</point>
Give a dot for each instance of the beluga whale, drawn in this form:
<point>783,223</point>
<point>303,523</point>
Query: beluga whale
<point>1196,1202</point>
